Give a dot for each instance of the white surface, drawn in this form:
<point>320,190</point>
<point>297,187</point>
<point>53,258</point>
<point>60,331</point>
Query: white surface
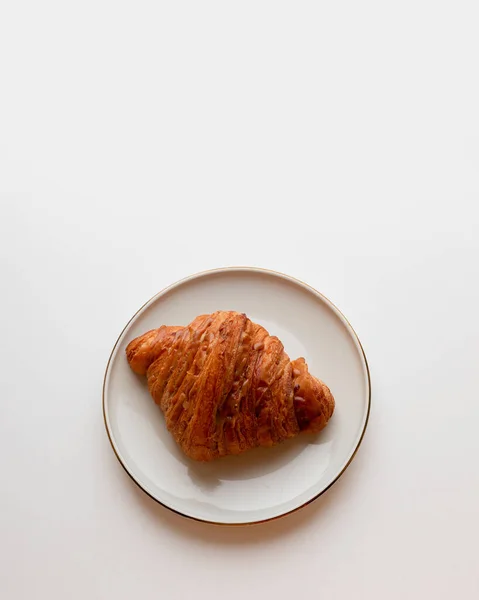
<point>260,484</point>
<point>345,139</point>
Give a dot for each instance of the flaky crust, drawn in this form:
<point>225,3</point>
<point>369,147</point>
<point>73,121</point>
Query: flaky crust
<point>225,385</point>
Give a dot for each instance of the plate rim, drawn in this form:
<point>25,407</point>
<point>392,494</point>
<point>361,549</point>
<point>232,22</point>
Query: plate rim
<point>198,275</point>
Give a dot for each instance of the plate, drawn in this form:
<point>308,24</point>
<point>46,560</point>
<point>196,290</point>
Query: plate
<point>264,483</point>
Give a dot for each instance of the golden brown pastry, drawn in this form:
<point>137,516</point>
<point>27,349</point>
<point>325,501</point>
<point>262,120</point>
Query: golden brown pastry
<point>225,385</point>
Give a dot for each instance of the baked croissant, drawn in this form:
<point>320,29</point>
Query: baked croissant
<point>225,385</point>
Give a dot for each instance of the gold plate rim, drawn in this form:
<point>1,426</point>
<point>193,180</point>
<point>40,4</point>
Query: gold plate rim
<point>232,269</point>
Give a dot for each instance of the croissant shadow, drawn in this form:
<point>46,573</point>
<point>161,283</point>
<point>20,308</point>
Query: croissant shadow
<point>252,464</point>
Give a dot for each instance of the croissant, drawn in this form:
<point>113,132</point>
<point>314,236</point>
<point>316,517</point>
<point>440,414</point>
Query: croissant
<point>225,385</point>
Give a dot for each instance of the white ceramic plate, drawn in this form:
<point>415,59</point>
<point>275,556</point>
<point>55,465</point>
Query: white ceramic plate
<point>263,483</point>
